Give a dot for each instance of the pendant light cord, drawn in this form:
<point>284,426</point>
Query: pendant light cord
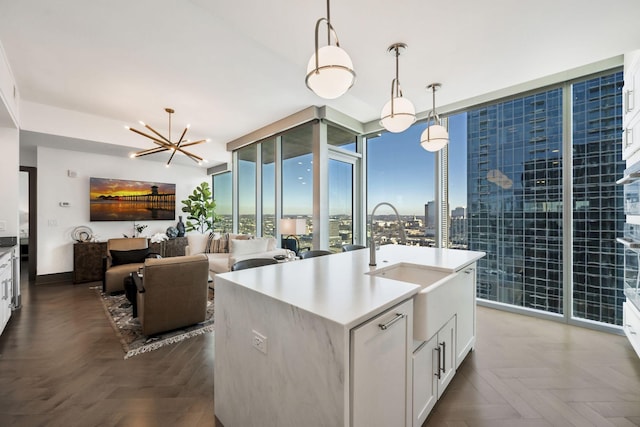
<point>328,23</point>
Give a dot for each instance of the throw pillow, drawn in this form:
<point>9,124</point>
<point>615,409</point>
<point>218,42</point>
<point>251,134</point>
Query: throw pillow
<point>218,245</point>
<point>197,243</point>
<point>208,249</point>
<point>271,243</point>
<point>239,247</point>
<point>134,256</point>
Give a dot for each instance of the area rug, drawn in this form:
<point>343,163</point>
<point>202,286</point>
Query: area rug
<point>129,330</point>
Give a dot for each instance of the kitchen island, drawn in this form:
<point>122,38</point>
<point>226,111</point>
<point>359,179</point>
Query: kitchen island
<point>327,341</point>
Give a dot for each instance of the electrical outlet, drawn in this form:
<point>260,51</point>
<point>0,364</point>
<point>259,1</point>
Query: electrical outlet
<point>259,342</point>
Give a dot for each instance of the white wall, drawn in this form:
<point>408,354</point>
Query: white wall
<point>23,204</point>
<point>9,180</point>
<point>55,223</point>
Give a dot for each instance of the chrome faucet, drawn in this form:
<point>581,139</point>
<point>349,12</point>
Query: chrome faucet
<point>372,247</point>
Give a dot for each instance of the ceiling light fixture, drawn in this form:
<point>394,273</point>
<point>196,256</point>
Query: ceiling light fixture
<point>330,70</point>
<point>165,144</point>
<point>398,113</point>
<point>435,136</point>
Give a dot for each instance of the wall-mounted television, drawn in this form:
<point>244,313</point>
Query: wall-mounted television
<point>122,200</point>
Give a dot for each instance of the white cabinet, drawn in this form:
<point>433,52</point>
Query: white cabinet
<point>463,293</point>
<point>381,369</point>
<point>6,289</point>
<point>8,89</point>
<point>631,325</point>
<point>631,106</point>
<point>433,369</point>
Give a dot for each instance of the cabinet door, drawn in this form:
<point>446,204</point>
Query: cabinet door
<point>463,292</point>
<point>5,291</point>
<point>380,369</point>
<point>447,354</point>
<point>425,383</point>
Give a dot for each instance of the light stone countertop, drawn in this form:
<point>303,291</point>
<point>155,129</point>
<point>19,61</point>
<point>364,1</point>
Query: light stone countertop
<point>6,250</point>
<point>336,287</point>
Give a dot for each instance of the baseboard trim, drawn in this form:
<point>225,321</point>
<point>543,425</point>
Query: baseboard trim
<point>47,279</point>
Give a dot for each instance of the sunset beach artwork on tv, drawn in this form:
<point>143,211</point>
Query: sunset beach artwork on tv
<point>122,200</point>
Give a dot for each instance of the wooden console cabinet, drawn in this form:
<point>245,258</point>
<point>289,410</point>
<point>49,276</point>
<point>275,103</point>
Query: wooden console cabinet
<point>87,261</point>
<point>87,257</point>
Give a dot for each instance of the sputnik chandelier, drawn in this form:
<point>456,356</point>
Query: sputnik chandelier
<point>165,143</point>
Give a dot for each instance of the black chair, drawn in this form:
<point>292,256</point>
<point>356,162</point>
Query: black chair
<point>347,248</point>
<point>312,254</point>
<point>252,262</point>
<point>293,245</point>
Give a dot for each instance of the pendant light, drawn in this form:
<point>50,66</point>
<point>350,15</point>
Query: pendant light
<point>435,136</point>
<point>330,70</point>
<point>398,113</point>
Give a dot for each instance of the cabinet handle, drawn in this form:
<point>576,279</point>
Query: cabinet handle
<point>444,355</point>
<point>385,326</point>
<point>631,331</point>
<point>629,100</point>
<point>469,271</point>
<point>437,374</point>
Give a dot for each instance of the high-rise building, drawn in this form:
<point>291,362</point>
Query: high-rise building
<point>598,213</point>
<point>515,199</point>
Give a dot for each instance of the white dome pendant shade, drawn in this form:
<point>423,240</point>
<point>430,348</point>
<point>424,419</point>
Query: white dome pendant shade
<point>404,114</point>
<point>398,113</point>
<point>435,137</point>
<point>334,74</point>
<point>330,70</point>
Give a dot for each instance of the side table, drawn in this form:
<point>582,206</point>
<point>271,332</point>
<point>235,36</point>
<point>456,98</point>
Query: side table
<point>131,288</point>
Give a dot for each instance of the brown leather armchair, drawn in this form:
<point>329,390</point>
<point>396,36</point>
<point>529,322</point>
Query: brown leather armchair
<point>124,256</point>
<point>174,293</point>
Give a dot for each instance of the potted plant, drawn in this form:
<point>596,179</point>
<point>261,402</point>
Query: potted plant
<point>200,209</point>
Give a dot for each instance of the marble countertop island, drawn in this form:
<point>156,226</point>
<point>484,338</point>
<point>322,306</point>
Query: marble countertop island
<point>282,332</point>
<point>336,287</point>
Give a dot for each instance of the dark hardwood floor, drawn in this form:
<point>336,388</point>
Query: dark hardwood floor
<point>62,365</point>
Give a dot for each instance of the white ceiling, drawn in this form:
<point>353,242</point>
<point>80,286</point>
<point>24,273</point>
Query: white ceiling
<point>230,67</point>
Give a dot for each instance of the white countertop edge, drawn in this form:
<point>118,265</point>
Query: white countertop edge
<point>337,288</point>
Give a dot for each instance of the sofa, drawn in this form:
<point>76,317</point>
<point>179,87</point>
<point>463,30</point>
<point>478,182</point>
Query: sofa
<point>124,256</point>
<point>223,250</point>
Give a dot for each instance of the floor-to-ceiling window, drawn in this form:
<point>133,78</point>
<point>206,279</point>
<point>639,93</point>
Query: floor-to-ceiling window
<point>268,180</point>
<point>297,178</point>
<point>222,195</point>
<point>515,199</point>
<point>401,172</point>
<point>341,178</point>
<point>524,217</point>
<point>457,181</point>
<point>343,166</point>
<point>247,170</point>
<point>597,199</point>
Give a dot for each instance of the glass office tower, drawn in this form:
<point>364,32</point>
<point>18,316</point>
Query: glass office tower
<point>598,214</point>
<point>516,201</point>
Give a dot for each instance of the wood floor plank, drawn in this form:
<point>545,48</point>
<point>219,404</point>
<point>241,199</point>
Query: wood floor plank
<point>61,364</point>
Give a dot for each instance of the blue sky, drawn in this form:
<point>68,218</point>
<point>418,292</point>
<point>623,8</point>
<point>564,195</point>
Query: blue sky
<point>400,172</point>
<point>403,173</point>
